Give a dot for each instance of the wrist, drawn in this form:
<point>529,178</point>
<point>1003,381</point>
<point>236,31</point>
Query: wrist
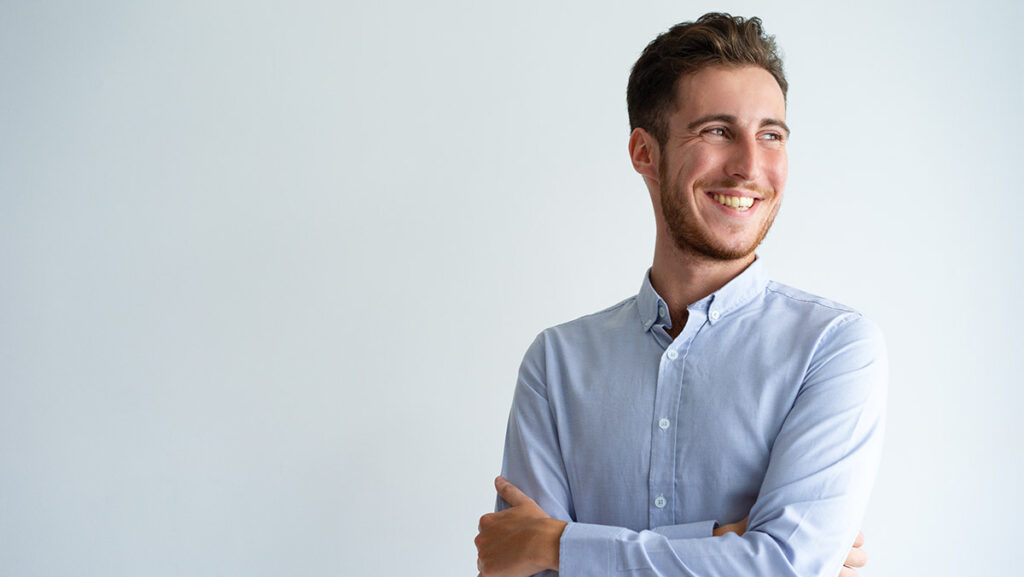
<point>549,536</point>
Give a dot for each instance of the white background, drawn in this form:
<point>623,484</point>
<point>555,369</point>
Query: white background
<point>268,269</point>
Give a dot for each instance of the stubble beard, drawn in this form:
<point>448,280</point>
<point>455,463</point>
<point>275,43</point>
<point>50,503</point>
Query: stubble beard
<point>691,238</point>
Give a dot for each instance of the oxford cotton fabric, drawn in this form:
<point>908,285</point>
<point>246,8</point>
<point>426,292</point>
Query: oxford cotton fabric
<point>770,402</point>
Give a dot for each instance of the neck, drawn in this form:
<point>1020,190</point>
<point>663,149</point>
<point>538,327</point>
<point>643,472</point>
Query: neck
<point>682,277</point>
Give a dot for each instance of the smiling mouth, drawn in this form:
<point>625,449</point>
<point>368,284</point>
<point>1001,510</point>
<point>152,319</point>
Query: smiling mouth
<point>740,203</point>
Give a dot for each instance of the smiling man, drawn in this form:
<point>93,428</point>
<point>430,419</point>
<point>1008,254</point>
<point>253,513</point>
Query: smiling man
<point>717,423</point>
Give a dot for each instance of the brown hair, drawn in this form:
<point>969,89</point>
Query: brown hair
<point>715,38</point>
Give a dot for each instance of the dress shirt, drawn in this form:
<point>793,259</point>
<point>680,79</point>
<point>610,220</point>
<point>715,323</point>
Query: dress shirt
<point>769,403</point>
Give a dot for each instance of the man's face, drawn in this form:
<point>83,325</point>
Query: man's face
<point>723,167</point>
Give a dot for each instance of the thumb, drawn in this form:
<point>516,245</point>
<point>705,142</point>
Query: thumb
<point>510,493</point>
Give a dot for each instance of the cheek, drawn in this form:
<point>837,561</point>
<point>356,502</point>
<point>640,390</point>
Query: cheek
<point>695,167</point>
<point>779,172</point>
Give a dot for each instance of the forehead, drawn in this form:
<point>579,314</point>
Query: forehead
<point>749,93</point>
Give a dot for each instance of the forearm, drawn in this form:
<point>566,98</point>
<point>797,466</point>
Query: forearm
<point>603,550</point>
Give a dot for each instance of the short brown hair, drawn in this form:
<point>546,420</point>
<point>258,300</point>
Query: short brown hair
<point>715,38</point>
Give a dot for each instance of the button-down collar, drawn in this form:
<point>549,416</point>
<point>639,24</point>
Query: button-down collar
<point>715,307</point>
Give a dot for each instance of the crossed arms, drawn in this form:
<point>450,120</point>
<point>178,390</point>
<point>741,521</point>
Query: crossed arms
<point>821,466</point>
<point>524,540</point>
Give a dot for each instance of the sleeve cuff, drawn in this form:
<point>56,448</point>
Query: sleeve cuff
<point>586,549</point>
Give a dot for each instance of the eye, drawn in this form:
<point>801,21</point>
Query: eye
<point>775,137</point>
<point>715,132</point>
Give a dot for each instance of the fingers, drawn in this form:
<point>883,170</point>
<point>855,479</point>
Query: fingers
<point>510,493</point>
<point>856,558</point>
<point>847,572</point>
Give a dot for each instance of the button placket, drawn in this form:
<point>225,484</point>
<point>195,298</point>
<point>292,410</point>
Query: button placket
<point>672,369</point>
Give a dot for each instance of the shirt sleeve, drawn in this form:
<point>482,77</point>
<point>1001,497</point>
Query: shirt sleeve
<point>811,501</point>
<point>533,458</point>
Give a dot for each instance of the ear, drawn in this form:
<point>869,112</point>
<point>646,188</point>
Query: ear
<point>643,152</point>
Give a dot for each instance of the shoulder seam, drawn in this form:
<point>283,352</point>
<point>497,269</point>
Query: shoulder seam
<point>613,307</point>
<point>819,301</point>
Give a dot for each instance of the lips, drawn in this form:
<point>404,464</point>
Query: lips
<point>740,203</point>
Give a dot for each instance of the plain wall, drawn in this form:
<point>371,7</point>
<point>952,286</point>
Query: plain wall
<point>268,269</point>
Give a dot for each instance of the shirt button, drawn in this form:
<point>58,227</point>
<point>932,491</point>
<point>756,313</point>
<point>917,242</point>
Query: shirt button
<point>672,355</point>
<point>715,315</point>
<point>662,312</point>
<point>660,502</point>
<point>664,423</point>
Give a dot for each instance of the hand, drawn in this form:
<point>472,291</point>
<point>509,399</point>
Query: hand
<point>739,527</point>
<point>519,541</point>
<point>856,558</point>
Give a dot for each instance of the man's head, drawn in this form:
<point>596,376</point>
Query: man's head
<point>707,103</point>
<point>714,39</point>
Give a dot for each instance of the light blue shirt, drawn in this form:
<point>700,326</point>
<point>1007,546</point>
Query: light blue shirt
<point>769,403</point>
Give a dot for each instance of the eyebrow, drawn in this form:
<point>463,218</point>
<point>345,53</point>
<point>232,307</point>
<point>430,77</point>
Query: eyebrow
<point>730,119</point>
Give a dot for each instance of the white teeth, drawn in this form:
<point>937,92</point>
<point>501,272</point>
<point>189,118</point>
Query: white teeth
<point>737,202</point>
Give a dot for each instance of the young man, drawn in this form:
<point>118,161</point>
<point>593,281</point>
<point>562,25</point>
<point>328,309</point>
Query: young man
<point>717,423</point>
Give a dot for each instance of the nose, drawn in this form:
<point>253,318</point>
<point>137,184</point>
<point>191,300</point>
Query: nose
<point>744,160</point>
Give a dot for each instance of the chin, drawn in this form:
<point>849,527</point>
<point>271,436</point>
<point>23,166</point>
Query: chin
<point>699,244</point>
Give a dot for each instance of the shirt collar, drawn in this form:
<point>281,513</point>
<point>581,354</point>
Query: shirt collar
<point>716,306</point>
